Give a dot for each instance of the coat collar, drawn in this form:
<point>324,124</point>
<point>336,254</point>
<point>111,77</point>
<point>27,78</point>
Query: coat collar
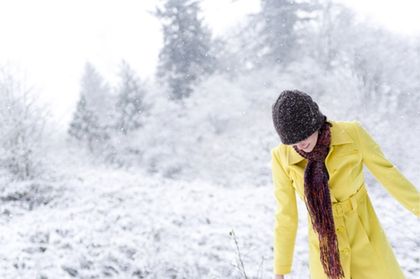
<point>338,136</point>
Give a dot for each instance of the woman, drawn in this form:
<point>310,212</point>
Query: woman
<point>322,161</point>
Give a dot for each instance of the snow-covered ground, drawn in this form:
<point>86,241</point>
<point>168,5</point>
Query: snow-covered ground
<point>92,221</point>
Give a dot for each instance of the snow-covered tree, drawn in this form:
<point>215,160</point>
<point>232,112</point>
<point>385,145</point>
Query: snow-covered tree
<point>186,54</point>
<point>277,27</point>
<point>130,103</point>
<point>91,121</point>
<point>84,122</point>
<point>327,40</point>
<point>22,122</point>
<point>278,32</point>
<point>272,37</point>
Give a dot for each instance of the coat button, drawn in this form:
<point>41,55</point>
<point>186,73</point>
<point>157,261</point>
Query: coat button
<point>340,229</point>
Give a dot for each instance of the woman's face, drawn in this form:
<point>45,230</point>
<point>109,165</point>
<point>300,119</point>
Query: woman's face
<point>307,144</point>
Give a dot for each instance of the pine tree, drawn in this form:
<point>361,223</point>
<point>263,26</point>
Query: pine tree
<point>90,123</point>
<point>186,53</point>
<point>78,127</point>
<point>278,29</point>
<point>130,100</point>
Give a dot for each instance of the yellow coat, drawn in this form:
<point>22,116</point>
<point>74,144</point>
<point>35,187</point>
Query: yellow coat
<point>365,252</point>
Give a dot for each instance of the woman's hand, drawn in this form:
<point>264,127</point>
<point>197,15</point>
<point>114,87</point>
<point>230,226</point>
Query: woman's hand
<point>278,276</point>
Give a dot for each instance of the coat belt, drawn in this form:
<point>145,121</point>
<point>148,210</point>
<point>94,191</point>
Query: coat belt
<point>350,204</point>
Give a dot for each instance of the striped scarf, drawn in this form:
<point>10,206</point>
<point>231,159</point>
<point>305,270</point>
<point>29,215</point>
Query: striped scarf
<point>318,202</point>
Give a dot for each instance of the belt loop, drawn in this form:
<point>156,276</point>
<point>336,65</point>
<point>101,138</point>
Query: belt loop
<point>358,197</point>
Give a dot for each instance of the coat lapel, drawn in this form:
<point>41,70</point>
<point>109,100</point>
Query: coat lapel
<point>338,136</point>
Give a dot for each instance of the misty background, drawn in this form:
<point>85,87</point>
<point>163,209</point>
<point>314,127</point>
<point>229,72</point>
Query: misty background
<point>145,153</point>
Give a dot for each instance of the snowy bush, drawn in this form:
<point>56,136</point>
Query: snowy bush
<point>22,123</point>
<point>221,133</point>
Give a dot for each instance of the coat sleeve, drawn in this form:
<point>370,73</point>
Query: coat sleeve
<point>386,173</point>
<point>286,219</point>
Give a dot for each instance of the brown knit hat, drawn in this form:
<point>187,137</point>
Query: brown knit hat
<point>296,116</point>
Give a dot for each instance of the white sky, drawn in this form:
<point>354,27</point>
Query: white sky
<point>401,16</point>
<point>50,40</point>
